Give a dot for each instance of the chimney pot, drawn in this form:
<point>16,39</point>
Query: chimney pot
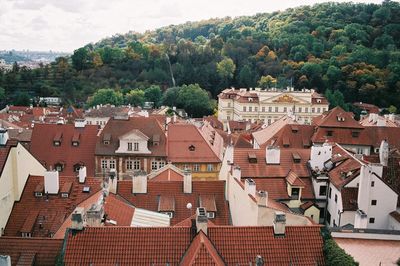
<point>78,218</point>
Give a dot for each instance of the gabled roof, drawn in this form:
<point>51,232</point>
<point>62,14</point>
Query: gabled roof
<point>43,148</point>
<point>22,250</point>
<point>264,135</point>
<point>344,170</point>
<point>277,188</point>
<point>116,128</point>
<point>201,252</point>
<point>155,190</point>
<point>337,118</point>
<point>296,136</point>
<point>107,111</point>
<point>186,144</point>
<point>45,215</point>
<point>294,180</point>
<point>134,132</point>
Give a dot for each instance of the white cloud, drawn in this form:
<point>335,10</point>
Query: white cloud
<point>65,25</point>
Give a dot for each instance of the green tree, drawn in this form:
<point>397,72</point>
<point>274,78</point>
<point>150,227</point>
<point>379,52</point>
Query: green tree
<point>195,100</point>
<point>106,96</point>
<point>392,109</point>
<point>22,99</point>
<point>81,59</point>
<point>135,97</point>
<point>170,97</point>
<point>267,82</point>
<point>2,94</point>
<point>334,255</point>
<point>336,98</point>
<point>226,68</point>
<point>153,94</point>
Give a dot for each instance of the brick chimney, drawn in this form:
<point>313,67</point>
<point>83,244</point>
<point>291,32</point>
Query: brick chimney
<point>113,182</point>
<point>77,218</point>
<point>51,182</point>
<point>187,181</point>
<point>201,220</point>
<point>139,182</point>
<point>279,224</point>
<point>250,187</point>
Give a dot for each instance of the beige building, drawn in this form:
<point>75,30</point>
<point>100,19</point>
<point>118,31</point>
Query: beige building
<point>16,164</point>
<point>269,105</point>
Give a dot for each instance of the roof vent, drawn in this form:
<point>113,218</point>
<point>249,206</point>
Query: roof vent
<point>86,189</point>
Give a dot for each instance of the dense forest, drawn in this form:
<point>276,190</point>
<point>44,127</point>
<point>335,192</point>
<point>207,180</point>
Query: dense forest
<point>351,49</point>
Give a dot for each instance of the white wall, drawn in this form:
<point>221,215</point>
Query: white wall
<point>226,167</point>
<point>319,155</point>
<point>18,166</point>
<point>132,138</point>
<point>98,121</point>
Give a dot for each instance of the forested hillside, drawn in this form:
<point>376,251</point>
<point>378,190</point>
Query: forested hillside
<point>352,48</point>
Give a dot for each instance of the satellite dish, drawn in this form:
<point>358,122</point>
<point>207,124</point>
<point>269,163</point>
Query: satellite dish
<point>189,206</point>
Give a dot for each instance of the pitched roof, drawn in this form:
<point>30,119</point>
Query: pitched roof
<point>294,180</point>
<point>22,135</point>
<point>261,169</point>
<point>337,118</point>
<point>264,135</point>
<point>349,198</point>
<point>21,250</point>
<point>301,245</point>
<point>115,128</point>
<point>43,148</point>
<point>201,252</point>
<point>295,136</point>
<point>277,188</point>
<point>106,111</point>
<point>4,151</point>
<point>155,190</point>
<point>44,216</point>
<point>345,169</point>
<point>187,144</point>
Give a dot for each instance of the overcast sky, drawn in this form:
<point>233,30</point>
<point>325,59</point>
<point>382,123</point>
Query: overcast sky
<point>65,25</point>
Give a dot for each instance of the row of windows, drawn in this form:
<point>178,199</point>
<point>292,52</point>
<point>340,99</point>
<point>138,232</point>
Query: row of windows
<point>97,122</point>
<point>133,146</point>
<point>276,109</point>
<point>196,167</point>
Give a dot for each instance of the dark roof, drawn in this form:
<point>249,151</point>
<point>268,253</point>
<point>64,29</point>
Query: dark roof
<point>22,135</point>
<point>4,151</point>
<point>43,148</point>
<point>349,198</point>
<point>115,128</point>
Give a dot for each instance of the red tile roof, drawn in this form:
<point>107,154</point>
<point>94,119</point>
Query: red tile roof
<point>294,180</point>
<point>349,198</point>
<point>277,188</point>
<point>296,136</point>
<point>265,135</point>
<point>20,250</point>
<point>116,128</point>
<point>167,175</point>
<point>187,145</point>
<point>345,169</point>
<point>4,151</point>
<point>261,169</point>
<point>337,118</point>
<point>155,190</point>
<point>42,147</point>
<point>301,245</point>
<point>51,212</point>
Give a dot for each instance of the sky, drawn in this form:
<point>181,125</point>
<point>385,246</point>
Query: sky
<point>65,25</point>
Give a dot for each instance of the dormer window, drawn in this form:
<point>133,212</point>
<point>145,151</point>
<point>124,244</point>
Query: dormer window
<point>106,138</point>
<point>59,167</point>
<point>252,157</point>
<point>329,133</point>
<point>129,146</point>
<point>355,134</point>
<point>210,215</point>
<point>156,140</point>
<point>192,148</point>
<point>340,118</point>
<point>57,139</point>
<point>75,139</point>
<point>136,146</point>
<point>319,101</point>
<point>295,193</point>
<point>296,157</point>
<point>39,191</point>
<point>66,190</point>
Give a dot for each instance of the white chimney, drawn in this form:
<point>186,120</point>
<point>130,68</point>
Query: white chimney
<point>384,153</point>
<point>82,174</point>
<point>80,123</point>
<point>94,215</point>
<point>250,187</point>
<point>3,136</point>
<point>272,155</point>
<point>139,182</point>
<point>187,181</point>
<point>51,182</point>
<point>319,155</point>
<point>5,260</point>
<point>262,198</point>
<point>201,220</point>
<point>279,223</point>
<point>113,181</point>
<point>237,172</point>
<point>77,218</point>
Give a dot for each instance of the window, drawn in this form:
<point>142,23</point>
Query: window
<point>373,202</point>
<point>335,197</point>
<point>330,192</point>
<point>295,193</point>
<point>210,167</point>
<point>64,195</point>
<point>329,133</point>
<point>136,165</point>
<point>129,165</point>
<point>299,109</point>
<point>228,117</point>
<point>322,190</point>
<point>103,164</point>
<point>306,110</point>
<point>38,194</point>
<point>263,109</point>
<point>112,164</point>
<point>229,104</point>
<point>136,146</point>
<point>75,143</point>
<point>250,109</point>
<point>371,220</point>
<point>284,109</point>
<point>211,215</point>
<point>106,142</point>
<point>360,150</point>
<point>58,167</point>
<point>154,165</point>
<point>244,108</point>
<point>328,217</point>
<point>161,164</point>
<point>372,183</point>
<point>129,146</point>
<point>170,214</point>
<point>56,143</point>
<point>196,168</point>
<point>355,134</point>
<point>334,223</point>
<point>255,109</point>
<point>318,110</point>
<point>276,109</point>
<point>270,109</point>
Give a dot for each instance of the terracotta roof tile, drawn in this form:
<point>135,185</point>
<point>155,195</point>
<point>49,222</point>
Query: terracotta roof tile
<point>166,203</point>
<point>43,148</point>
<point>337,117</point>
<point>4,151</point>
<point>21,249</point>
<point>294,180</point>
<point>208,202</point>
<point>306,205</point>
<point>277,188</point>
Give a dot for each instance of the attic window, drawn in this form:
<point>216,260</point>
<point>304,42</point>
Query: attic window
<point>355,134</point>
<point>296,157</point>
<point>295,129</point>
<point>66,190</point>
<point>75,139</point>
<point>78,166</point>
<point>211,215</point>
<point>192,148</point>
<point>252,157</point>
<point>286,141</point>
<point>156,140</point>
<point>329,133</point>
<point>86,189</point>
<point>306,143</point>
<point>340,118</point>
<point>57,139</point>
<point>39,190</point>
<point>318,100</point>
<point>59,167</point>
<point>250,99</point>
<point>106,138</point>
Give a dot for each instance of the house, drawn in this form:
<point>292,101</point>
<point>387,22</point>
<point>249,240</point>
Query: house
<point>357,196</point>
<point>197,243</point>
<point>169,190</point>
<point>65,147</point>
<point>199,150</point>
<point>100,114</point>
<point>132,144</point>
<point>269,105</point>
<point>16,164</point>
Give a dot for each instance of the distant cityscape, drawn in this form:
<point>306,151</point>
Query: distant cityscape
<point>30,59</point>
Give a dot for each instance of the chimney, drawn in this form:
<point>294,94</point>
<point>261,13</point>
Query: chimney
<point>187,181</point>
<point>3,136</point>
<point>5,260</point>
<point>82,174</point>
<point>80,123</point>
<point>272,154</point>
<point>78,218</point>
<point>259,260</point>
<point>201,220</point>
<point>113,181</point>
<point>94,215</point>
<point>139,182</point>
<point>51,182</point>
<point>250,187</point>
<point>236,172</point>
<point>279,224</point>
<point>384,152</point>
<point>262,198</point>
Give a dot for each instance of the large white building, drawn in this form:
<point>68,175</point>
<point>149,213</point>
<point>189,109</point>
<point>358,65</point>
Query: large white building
<point>269,105</point>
